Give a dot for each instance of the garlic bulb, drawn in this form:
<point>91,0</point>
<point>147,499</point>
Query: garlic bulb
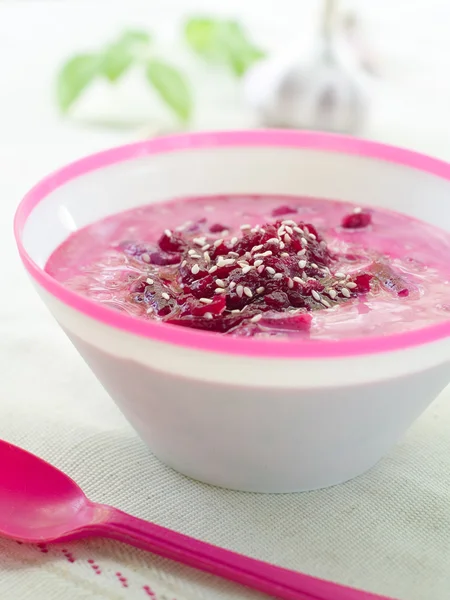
<point>321,87</point>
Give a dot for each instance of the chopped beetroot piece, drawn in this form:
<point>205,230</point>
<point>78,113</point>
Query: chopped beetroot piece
<point>202,288</point>
<point>277,300</point>
<point>357,220</point>
<point>161,258</point>
<point>217,228</point>
<point>363,283</point>
<point>171,243</point>
<point>279,211</point>
<point>219,324</point>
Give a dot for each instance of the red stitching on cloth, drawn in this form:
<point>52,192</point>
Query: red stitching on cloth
<point>122,579</point>
<point>69,556</point>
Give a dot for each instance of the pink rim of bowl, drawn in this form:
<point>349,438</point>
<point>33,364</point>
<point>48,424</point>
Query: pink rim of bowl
<point>213,342</point>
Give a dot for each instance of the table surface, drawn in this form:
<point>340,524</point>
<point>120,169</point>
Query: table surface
<point>388,531</point>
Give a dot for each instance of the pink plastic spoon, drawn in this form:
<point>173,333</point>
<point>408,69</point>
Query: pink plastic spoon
<point>40,504</point>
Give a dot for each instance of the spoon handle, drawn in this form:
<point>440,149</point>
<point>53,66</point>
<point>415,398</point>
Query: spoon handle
<point>270,579</point>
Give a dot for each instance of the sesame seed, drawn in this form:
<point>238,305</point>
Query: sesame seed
<point>149,281</point>
<point>220,283</point>
<point>260,269</point>
<point>236,311</point>
<point>289,222</point>
<point>298,280</point>
<point>351,285</point>
<point>207,257</point>
<point>289,229</point>
<point>315,295</point>
<point>246,269</point>
<point>201,241</point>
<point>233,241</point>
<point>206,300</point>
<point>247,256</point>
<point>195,269</point>
<point>280,231</point>
<point>192,251</point>
<point>273,241</point>
<point>145,257</point>
<point>195,256</point>
<point>281,245</point>
<point>256,248</point>
<point>240,290</point>
<point>314,266</point>
<point>213,269</point>
<point>256,318</point>
<point>285,254</point>
<point>332,293</point>
<point>325,302</point>
<point>302,264</point>
<point>218,242</point>
<point>234,254</point>
<point>232,285</point>
<point>304,241</point>
<point>257,263</point>
<point>208,315</point>
<point>305,229</point>
<point>184,263</point>
<point>305,276</point>
<point>245,226</point>
<point>226,262</point>
<point>165,295</point>
<point>340,275</point>
<point>278,276</point>
<point>312,236</point>
<point>206,247</point>
<point>345,292</point>
<point>248,292</point>
<point>260,290</point>
<point>149,310</point>
<point>167,232</point>
<point>220,291</point>
<point>290,283</point>
<point>270,270</point>
<point>298,230</point>
<point>301,252</point>
<point>267,253</point>
<point>287,238</point>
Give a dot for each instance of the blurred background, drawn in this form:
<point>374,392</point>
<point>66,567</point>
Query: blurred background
<point>81,75</point>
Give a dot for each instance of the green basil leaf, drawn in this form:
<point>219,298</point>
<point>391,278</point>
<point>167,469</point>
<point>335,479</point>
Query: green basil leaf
<point>200,34</point>
<point>122,54</point>
<point>171,86</point>
<point>74,78</point>
<point>223,42</point>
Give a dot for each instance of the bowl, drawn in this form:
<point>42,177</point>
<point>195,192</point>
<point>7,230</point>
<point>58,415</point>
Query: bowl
<point>259,415</point>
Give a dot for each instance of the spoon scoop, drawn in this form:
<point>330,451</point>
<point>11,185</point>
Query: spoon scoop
<point>40,504</point>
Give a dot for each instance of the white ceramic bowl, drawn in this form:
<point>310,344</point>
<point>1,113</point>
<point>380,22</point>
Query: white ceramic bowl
<point>256,415</point>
